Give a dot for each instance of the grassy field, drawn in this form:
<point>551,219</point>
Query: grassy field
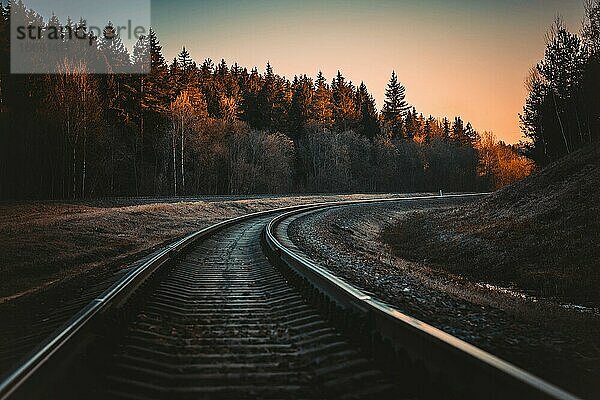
<point>541,235</point>
<point>45,244</point>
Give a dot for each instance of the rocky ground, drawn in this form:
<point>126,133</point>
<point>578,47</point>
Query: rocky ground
<point>538,334</point>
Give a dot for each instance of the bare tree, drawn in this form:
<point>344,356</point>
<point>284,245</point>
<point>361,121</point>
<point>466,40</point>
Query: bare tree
<point>76,95</point>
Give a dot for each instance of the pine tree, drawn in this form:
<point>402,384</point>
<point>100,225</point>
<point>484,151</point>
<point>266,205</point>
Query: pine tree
<point>446,129</point>
<point>591,27</point>
<point>420,128</point>
<point>141,56</point>
<point>116,56</point>
<point>184,60</point>
<point>300,107</point>
<point>412,125</point>
<point>345,112</point>
<point>156,57</point>
<point>236,70</point>
<point>458,131</point>
<point>531,118</point>
<point>322,104</point>
<point>53,30</point>
<point>222,70</point>
<point>152,93</point>
<point>562,69</point>
<point>189,78</point>
<point>269,71</point>
<point>272,100</point>
<point>206,69</point>
<point>282,100</point>
<point>155,89</point>
<point>428,130</point>
<point>395,105</point>
<point>210,88</point>
<point>227,87</point>
<point>250,99</point>
<point>564,60</point>
<point>85,50</point>
<point>368,122</point>
<point>471,134</point>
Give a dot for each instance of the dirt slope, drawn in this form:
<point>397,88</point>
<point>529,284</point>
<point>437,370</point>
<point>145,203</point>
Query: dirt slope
<point>540,235</point>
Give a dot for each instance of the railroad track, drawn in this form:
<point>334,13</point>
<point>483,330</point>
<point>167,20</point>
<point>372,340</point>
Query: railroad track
<point>211,317</point>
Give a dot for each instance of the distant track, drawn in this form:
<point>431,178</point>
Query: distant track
<point>211,317</point>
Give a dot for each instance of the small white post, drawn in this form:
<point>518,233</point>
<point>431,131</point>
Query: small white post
<point>441,193</point>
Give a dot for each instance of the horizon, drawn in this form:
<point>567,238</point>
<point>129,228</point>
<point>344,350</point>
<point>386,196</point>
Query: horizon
<point>484,84</point>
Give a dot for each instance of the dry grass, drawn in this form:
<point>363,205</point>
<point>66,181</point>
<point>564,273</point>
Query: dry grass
<point>45,244</point>
<point>540,235</point>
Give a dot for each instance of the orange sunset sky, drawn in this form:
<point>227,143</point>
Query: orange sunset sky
<point>465,57</point>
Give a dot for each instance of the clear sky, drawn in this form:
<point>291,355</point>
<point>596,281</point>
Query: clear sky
<point>464,57</point>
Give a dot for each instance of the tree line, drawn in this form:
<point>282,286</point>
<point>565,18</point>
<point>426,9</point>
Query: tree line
<point>562,110</point>
<point>214,128</point>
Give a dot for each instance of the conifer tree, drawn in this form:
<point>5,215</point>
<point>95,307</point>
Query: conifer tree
<point>222,70</point>
<point>184,60</point>
<point>412,127</point>
<point>156,57</point>
<point>428,129</point>
<point>113,50</point>
<point>250,103</point>
<point>458,131</point>
<point>561,112</point>
<point>471,134</point>
<point>207,77</point>
<point>562,69</point>
<point>344,108</point>
<point>532,116</point>
<point>368,122</point>
<point>446,132</point>
<point>141,56</point>
<point>300,107</point>
<point>395,106</point>
<point>206,69</point>
<point>226,85</point>
<point>282,99</point>
<point>591,27</point>
<point>322,104</point>
<point>156,95</point>
<point>268,98</point>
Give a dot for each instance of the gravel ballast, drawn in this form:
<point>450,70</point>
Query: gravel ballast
<point>537,334</point>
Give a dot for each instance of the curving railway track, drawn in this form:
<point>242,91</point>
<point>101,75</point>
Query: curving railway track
<point>233,312</point>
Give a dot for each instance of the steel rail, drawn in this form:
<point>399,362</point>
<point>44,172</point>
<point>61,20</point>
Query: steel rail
<point>121,291</point>
<point>452,360</point>
<point>115,295</point>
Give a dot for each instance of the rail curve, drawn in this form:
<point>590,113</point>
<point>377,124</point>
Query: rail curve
<point>210,317</point>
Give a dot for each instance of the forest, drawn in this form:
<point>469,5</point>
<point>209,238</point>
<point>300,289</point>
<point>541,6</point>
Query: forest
<point>562,110</point>
<point>187,128</point>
